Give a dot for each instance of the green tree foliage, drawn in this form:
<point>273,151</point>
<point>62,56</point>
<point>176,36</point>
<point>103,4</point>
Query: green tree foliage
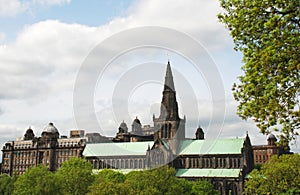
<point>280,175</point>
<point>108,182</point>
<point>160,181</point>
<point>267,32</point>
<point>37,180</point>
<point>75,175</point>
<point>203,187</point>
<point>7,184</point>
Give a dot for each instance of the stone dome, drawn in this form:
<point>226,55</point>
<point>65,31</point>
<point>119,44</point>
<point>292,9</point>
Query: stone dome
<point>29,135</point>
<point>50,128</point>
<point>272,136</point>
<point>29,131</point>
<point>136,121</point>
<point>123,125</point>
<point>199,130</point>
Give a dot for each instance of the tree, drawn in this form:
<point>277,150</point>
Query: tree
<point>157,181</point>
<point>268,34</point>
<point>161,181</point>
<point>75,175</point>
<point>37,180</point>
<point>108,182</point>
<point>7,184</point>
<point>203,187</point>
<point>280,175</point>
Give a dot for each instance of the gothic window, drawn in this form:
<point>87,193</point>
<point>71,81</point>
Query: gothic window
<point>182,163</point>
<point>169,131</point>
<point>230,163</point>
<point>122,164</point>
<point>232,189</point>
<point>234,163</point>
<point>118,164</point>
<point>135,165</point>
<point>166,131</point>
<point>131,164</point>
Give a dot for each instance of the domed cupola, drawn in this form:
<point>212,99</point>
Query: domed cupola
<point>123,128</point>
<point>29,135</point>
<point>50,131</point>
<point>136,125</point>
<point>199,133</point>
<point>272,140</point>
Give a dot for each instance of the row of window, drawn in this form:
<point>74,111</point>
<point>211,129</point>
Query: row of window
<point>210,163</point>
<point>119,163</point>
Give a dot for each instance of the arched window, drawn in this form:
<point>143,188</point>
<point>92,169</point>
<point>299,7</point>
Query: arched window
<point>118,164</point>
<point>232,189</point>
<point>113,163</point>
<point>165,130</point>
<point>131,164</point>
<point>219,187</point>
<point>135,164</point>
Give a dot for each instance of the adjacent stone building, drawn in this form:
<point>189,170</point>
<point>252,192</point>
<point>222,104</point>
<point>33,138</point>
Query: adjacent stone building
<point>49,149</point>
<point>262,153</point>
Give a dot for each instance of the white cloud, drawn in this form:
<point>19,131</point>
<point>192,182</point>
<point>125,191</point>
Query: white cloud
<point>2,36</point>
<point>11,7</point>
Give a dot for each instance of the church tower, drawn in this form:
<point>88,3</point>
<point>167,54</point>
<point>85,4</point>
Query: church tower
<point>169,126</point>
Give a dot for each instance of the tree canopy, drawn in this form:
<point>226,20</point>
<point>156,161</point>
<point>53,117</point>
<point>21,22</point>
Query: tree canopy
<point>159,181</point>
<point>75,175</point>
<point>37,180</point>
<point>7,184</point>
<point>267,32</point>
<point>280,175</point>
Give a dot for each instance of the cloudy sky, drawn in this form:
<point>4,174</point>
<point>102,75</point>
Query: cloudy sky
<point>45,45</point>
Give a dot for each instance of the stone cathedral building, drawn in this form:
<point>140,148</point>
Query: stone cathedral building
<point>225,162</point>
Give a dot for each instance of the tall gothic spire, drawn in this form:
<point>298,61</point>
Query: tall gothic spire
<point>169,83</point>
<point>169,105</point>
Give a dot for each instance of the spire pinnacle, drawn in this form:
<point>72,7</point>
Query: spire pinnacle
<point>169,83</point>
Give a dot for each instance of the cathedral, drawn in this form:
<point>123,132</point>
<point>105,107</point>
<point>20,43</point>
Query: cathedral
<point>225,162</point>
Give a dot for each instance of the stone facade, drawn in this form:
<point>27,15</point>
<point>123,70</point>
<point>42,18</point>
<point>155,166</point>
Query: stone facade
<point>262,153</point>
<point>49,149</point>
<point>225,163</point>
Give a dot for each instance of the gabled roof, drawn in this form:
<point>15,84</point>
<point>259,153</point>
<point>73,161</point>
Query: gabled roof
<point>117,149</point>
<point>208,173</point>
<point>218,146</point>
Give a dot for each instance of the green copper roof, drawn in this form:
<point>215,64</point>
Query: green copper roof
<point>117,149</point>
<point>218,146</point>
<point>208,172</point>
